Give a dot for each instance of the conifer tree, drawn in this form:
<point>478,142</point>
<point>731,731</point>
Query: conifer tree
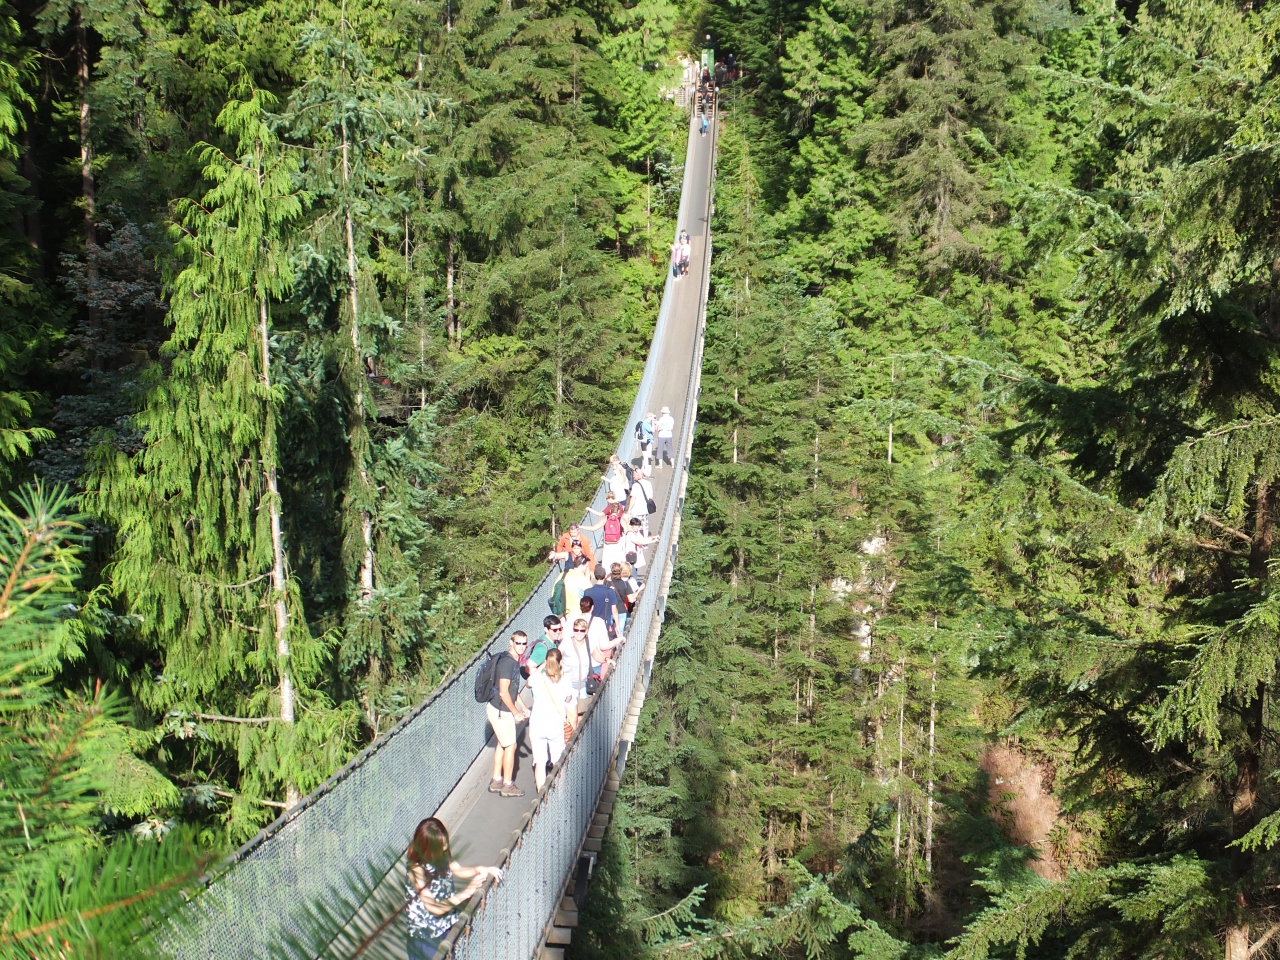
<point>66,760</point>
<point>196,511</point>
<point>353,122</point>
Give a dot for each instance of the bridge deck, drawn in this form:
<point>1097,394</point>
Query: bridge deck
<point>480,822</point>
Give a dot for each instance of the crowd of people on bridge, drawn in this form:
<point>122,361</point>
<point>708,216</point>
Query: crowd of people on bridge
<point>547,682</point>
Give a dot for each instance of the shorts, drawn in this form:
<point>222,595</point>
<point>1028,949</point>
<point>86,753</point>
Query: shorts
<point>503,723</point>
<point>548,748</point>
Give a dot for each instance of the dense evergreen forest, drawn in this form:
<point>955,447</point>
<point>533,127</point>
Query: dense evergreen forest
<point>319,318</point>
<point>972,644</point>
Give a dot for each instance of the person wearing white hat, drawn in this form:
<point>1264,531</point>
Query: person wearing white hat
<point>666,446</point>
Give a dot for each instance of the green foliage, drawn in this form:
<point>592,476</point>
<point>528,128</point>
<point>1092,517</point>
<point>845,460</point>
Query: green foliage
<point>1029,254</point>
<point>65,759</point>
<point>191,508</point>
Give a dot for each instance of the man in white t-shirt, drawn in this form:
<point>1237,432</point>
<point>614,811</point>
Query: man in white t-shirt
<point>666,446</point>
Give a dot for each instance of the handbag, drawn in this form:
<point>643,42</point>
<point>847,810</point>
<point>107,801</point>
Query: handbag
<point>593,682</point>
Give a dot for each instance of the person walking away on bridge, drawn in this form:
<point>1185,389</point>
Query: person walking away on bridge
<point>611,523</point>
<point>433,903</point>
<point>605,600</point>
<point>623,589</point>
<point>577,582</point>
<point>618,476</point>
<point>703,122</point>
<point>504,711</point>
<point>599,641</point>
<point>636,541</point>
<point>629,577</point>
<point>639,498</point>
<point>666,446</point>
<point>597,629</point>
<point>644,439</point>
<point>686,251</point>
<point>554,715</point>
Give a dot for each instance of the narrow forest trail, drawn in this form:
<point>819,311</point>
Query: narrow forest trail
<point>329,874</point>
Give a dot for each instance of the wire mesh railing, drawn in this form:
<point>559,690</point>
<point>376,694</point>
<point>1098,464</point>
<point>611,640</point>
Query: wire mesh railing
<point>374,802</point>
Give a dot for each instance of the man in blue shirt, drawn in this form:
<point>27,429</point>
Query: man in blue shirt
<point>604,598</point>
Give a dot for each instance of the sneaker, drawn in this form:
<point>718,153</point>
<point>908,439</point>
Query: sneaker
<point>495,785</point>
<point>511,790</point>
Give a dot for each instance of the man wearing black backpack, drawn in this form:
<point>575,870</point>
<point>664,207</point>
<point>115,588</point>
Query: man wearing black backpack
<point>504,711</point>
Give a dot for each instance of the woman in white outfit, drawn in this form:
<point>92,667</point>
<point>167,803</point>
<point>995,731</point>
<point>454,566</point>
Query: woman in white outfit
<point>555,714</point>
<point>639,495</point>
<point>576,657</point>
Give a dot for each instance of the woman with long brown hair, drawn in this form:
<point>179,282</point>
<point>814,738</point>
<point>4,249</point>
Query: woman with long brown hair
<point>432,901</point>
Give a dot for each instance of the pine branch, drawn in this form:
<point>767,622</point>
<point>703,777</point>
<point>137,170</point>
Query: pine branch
<point>225,719</point>
<point>1217,524</point>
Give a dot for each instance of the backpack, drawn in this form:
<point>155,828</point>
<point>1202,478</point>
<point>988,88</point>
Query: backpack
<point>629,472</point>
<point>487,679</point>
<point>556,600</point>
<point>640,430</point>
<point>613,527</point>
<point>530,650</point>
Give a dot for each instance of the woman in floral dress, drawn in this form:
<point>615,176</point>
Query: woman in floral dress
<point>432,900</point>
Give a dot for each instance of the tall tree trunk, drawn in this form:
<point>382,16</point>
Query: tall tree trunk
<point>1273,309</point>
<point>928,809</point>
<point>279,585</point>
<point>450,317</point>
<point>366,518</point>
<point>902,710</point>
<point>88,189</point>
<point>1248,756</point>
<point>33,222</point>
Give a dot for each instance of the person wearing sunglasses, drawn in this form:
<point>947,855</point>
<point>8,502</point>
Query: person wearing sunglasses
<point>504,711</point>
<point>569,540</point>
<point>575,659</point>
<point>536,652</point>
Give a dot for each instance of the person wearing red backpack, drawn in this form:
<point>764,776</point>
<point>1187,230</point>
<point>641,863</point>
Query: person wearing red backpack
<point>611,522</point>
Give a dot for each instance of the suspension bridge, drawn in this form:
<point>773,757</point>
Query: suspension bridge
<point>327,877</point>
